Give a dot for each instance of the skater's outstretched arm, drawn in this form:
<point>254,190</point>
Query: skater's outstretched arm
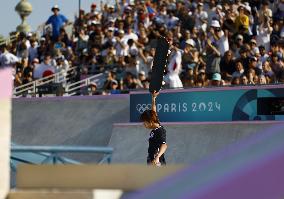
<point>154,96</point>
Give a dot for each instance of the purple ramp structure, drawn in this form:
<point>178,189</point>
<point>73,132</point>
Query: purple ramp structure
<point>251,169</point>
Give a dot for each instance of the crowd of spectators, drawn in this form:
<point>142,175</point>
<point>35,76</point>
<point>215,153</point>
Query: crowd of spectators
<point>212,43</point>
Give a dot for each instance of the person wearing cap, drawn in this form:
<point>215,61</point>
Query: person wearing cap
<point>253,47</point>
<point>93,8</point>
<point>201,17</point>
<point>201,79</point>
<point>250,16</point>
<point>239,42</point>
<point>142,81</point>
<point>216,80</point>
<point>57,21</point>
<point>114,87</point>
<point>219,37</point>
<point>253,62</point>
<point>213,58</point>
<point>94,89</point>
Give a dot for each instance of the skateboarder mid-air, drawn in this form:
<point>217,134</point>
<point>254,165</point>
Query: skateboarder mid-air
<point>157,139</point>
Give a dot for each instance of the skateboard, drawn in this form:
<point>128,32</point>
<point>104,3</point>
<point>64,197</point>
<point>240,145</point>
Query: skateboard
<point>159,64</point>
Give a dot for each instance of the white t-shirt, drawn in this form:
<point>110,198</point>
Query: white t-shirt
<point>41,68</point>
<point>223,44</point>
<point>126,37</point>
<point>263,38</point>
<point>174,68</point>
<point>198,16</point>
<point>263,58</point>
<point>7,59</point>
<point>120,51</point>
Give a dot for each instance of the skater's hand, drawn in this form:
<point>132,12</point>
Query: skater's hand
<point>155,94</point>
<point>156,161</point>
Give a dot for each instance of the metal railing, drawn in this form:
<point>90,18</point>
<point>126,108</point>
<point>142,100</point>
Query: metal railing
<point>31,87</point>
<point>50,154</point>
<point>8,40</point>
<point>71,89</point>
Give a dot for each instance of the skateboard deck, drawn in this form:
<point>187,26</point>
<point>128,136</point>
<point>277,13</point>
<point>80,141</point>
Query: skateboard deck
<point>159,64</point>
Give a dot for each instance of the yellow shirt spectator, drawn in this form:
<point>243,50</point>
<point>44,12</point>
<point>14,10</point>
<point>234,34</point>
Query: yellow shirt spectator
<point>242,20</point>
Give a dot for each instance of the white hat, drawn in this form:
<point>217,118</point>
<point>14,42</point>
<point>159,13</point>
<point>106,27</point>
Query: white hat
<point>190,42</point>
<point>248,8</point>
<point>114,82</point>
<point>93,84</point>
<point>216,77</point>
<point>142,73</point>
<point>253,41</point>
<point>55,7</point>
<point>215,24</point>
<point>95,22</point>
<point>110,29</point>
<point>121,31</point>
<point>240,37</point>
<point>111,19</point>
<point>219,6</point>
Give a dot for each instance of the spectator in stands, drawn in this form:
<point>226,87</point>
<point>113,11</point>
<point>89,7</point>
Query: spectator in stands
<point>235,81</point>
<point>111,77</point>
<point>239,69</point>
<point>7,58</point>
<point>114,87</point>
<point>202,80</point>
<point>18,79</point>
<point>243,80</point>
<point>122,36</point>
<point>268,72</point>
<point>130,82</point>
<point>227,64</point>
<point>174,68</point>
<point>57,21</point>
<point>94,89</point>
<point>216,80</point>
<point>32,51</point>
<point>213,58</point>
<point>44,69</point>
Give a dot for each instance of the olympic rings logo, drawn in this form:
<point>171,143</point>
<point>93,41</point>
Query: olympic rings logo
<point>143,107</point>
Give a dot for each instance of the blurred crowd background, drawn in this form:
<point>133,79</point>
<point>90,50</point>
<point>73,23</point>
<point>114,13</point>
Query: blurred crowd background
<point>212,43</point>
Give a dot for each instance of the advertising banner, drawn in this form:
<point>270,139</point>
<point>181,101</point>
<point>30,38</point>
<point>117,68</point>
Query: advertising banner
<point>215,104</point>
